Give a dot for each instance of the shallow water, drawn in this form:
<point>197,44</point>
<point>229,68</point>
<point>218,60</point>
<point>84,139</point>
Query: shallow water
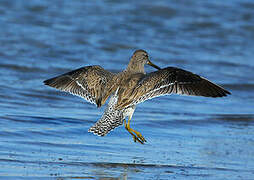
<point>43,132</point>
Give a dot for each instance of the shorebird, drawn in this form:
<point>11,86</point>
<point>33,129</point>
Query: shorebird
<point>129,88</point>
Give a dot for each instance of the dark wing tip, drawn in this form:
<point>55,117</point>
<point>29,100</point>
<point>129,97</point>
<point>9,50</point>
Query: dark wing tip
<point>227,92</point>
<point>191,84</point>
<point>65,78</point>
<point>62,82</point>
<point>224,93</point>
<point>56,81</point>
<point>216,90</point>
<point>48,81</point>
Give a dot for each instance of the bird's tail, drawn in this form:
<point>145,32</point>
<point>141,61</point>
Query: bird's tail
<point>111,118</point>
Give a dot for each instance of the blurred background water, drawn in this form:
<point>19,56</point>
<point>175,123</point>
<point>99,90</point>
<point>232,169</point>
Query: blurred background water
<point>43,132</point>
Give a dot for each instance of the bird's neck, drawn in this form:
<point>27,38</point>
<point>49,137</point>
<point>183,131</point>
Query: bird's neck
<point>135,67</point>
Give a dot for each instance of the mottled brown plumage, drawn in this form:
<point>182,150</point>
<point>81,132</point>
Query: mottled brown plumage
<point>129,88</point>
<point>93,83</point>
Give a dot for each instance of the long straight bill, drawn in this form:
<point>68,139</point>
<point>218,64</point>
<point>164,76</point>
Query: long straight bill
<point>153,65</point>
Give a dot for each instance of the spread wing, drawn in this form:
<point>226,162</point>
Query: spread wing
<point>91,83</point>
<point>174,80</point>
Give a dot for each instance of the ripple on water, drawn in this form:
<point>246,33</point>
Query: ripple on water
<point>43,132</point>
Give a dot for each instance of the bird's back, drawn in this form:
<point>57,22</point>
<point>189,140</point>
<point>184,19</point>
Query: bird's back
<point>114,116</point>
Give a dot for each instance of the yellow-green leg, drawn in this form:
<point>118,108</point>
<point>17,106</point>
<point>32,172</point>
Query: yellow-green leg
<point>137,136</point>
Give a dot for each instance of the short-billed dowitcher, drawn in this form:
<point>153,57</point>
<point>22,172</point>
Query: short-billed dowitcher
<point>129,88</point>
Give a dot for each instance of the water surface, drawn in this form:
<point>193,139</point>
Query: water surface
<point>43,132</point>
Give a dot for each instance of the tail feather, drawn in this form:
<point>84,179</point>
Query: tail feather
<point>111,118</point>
<point>108,122</point>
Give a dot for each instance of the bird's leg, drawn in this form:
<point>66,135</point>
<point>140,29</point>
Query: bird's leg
<point>137,136</point>
<point>133,135</point>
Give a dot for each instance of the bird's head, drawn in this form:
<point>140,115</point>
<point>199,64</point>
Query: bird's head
<point>141,57</point>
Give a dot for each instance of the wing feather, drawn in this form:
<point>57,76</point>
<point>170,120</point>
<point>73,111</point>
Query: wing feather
<point>91,83</point>
<point>174,80</point>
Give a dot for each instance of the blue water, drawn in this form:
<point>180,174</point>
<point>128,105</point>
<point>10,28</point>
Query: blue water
<point>43,132</point>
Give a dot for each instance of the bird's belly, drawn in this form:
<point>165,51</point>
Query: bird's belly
<point>129,111</point>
